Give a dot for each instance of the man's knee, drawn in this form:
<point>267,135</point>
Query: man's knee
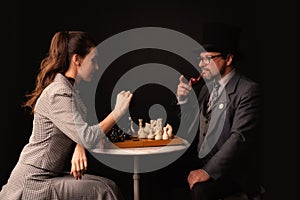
<point>199,191</point>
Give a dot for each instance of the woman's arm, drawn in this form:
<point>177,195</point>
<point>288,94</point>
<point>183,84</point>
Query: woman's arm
<point>122,104</point>
<point>78,162</point>
<point>64,110</point>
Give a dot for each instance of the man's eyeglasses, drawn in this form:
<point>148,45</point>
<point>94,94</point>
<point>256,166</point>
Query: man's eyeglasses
<point>207,59</point>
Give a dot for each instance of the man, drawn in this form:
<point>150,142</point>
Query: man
<point>229,119</point>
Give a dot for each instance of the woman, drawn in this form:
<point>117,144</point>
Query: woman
<point>58,123</point>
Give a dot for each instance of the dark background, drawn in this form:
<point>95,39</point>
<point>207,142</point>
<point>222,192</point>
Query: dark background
<point>29,28</point>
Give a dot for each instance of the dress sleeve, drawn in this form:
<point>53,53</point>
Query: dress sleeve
<point>67,113</point>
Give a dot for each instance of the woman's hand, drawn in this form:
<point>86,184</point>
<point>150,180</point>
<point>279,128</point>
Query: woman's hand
<point>122,104</point>
<point>78,162</point>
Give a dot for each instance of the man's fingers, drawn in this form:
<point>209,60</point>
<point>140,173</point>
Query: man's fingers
<point>184,87</point>
<point>181,79</point>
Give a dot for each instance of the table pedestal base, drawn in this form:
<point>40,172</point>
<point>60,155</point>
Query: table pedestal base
<point>136,186</point>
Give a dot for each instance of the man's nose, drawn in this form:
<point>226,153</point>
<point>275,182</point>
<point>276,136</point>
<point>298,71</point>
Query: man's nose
<point>201,64</point>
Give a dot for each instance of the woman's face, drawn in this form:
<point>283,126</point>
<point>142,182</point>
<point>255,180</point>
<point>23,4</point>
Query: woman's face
<point>88,66</point>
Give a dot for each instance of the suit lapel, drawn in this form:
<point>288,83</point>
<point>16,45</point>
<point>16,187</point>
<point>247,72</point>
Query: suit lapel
<point>217,117</point>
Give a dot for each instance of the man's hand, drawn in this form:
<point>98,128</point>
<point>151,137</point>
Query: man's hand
<point>183,89</point>
<point>198,175</point>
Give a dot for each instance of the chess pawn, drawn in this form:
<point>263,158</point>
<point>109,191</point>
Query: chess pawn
<point>158,135</point>
<point>150,135</point>
<point>165,134</point>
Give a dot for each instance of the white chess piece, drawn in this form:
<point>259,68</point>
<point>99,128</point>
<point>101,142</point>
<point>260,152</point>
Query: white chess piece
<point>147,127</point>
<point>165,134</point>
<point>169,130</point>
<point>158,126</point>
<point>134,133</point>
<point>158,135</point>
<point>150,135</point>
<point>140,126</point>
<point>159,120</point>
<point>152,125</point>
<point>142,133</point>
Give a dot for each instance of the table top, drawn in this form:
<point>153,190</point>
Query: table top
<point>143,150</point>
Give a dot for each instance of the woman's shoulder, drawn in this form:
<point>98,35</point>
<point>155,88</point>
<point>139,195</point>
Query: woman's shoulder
<point>60,86</point>
<point>55,92</point>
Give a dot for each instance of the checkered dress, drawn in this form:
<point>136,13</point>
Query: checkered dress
<point>59,121</point>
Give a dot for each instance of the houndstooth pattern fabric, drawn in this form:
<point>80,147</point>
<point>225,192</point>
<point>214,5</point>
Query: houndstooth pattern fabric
<point>38,173</point>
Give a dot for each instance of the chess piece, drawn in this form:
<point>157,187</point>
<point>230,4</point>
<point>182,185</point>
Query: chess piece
<point>158,135</point>
<point>159,121</point>
<point>169,130</point>
<point>158,126</point>
<point>150,135</point>
<point>132,129</point>
<point>165,134</point>
<point>147,127</point>
<point>142,134</point>
<point>152,125</point>
<point>140,126</point>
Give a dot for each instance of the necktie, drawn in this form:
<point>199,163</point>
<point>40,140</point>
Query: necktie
<point>213,96</point>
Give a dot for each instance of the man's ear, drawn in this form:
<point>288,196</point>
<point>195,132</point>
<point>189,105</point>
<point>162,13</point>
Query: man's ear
<point>229,59</point>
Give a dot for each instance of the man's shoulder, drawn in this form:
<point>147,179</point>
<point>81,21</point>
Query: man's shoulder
<point>247,82</point>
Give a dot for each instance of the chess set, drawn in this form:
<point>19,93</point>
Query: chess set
<point>148,135</point>
<point>138,142</point>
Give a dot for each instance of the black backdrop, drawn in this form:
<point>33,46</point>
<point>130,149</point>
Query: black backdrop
<point>30,26</point>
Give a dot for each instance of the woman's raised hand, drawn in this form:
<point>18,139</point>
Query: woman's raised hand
<point>122,104</point>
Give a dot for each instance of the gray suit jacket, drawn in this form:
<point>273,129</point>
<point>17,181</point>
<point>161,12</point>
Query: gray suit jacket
<point>231,134</point>
<point>237,116</point>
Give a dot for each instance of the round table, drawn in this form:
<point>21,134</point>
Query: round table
<point>136,153</point>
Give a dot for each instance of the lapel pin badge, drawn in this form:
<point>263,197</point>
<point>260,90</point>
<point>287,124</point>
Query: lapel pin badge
<point>221,106</point>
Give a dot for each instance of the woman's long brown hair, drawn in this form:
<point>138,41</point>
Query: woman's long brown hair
<point>63,46</point>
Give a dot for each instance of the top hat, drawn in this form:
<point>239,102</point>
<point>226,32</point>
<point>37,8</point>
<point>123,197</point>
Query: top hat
<point>220,37</point>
